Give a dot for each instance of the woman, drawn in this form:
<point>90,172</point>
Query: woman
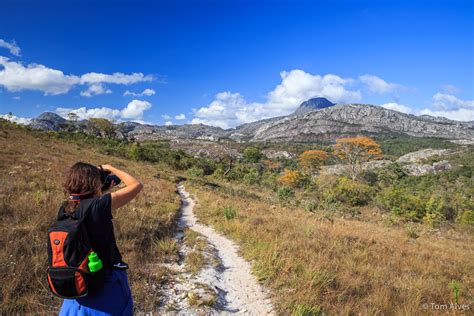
<point>84,181</point>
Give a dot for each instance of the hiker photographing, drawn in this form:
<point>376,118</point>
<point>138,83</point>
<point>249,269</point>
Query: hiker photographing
<point>85,264</point>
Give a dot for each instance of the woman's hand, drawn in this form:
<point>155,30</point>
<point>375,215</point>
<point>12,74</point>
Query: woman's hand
<point>126,194</point>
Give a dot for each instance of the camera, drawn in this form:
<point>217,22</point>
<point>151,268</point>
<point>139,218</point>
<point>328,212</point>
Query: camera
<point>107,178</point>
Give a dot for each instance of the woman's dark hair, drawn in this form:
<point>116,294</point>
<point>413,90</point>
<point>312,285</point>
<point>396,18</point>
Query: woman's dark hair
<point>82,178</point>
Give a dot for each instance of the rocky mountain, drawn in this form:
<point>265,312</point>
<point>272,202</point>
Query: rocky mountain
<point>313,104</point>
<point>347,119</point>
<point>315,120</point>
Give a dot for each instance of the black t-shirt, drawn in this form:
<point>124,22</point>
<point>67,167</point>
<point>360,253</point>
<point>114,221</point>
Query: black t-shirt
<point>101,231</point>
<point>100,228</point>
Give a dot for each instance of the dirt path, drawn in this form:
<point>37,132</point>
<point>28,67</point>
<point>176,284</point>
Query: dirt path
<point>229,277</point>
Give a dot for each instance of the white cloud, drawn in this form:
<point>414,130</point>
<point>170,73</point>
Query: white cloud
<point>458,114</point>
<point>117,78</point>
<point>168,123</point>
<point>166,117</point>
<point>146,92</point>
<point>443,101</point>
<point>446,106</point>
<point>16,119</point>
<point>95,89</point>
<point>378,85</point>
<point>397,107</point>
<point>133,111</point>
<point>84,113</point>
<point>180,117</point>
<point>450,89</point>
<point>16,77</point>
<point>231,109</point>
<point>11,46</point>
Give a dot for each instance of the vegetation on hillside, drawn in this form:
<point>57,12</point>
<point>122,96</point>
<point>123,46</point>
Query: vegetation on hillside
<point>371,241</point>
<point>33,165</point>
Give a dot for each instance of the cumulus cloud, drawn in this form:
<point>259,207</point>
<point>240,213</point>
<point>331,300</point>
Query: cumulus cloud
<point>11,46</point>
<point>231,109</point>
<point>146,92</point>
<point>16,119</point>
<point>450,106</point>
<point>166,117</point>
<point>17,77</point>
<point>450,89</point>
<point>447,106</point>
<point>168,123</point>
<point>458,115</point>
<point>442,101</point>
<point>398,107</point>
<point>134,111</point>
<point>378,85</point>
<point>180,117</point>
<point>95,89</point>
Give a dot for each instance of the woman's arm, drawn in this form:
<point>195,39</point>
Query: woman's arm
<point>124,195</point>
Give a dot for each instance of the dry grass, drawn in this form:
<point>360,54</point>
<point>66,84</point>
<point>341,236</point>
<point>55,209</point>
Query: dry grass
<point>32,167</point>
<point>319,261</point>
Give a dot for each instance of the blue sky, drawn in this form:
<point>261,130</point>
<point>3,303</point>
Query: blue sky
<point>225,63</point>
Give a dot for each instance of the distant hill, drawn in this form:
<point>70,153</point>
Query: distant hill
<point>313,104</point>
<point>315,119</point>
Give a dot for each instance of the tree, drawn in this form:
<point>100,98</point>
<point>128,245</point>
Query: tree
<point>102,127</point>
<point>291,178</point>
<point>252,154</point>
<point>356,150</point>
<point>311,161</point>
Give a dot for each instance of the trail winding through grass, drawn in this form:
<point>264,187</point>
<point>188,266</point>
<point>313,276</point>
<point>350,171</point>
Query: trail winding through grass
<point>239,292</point>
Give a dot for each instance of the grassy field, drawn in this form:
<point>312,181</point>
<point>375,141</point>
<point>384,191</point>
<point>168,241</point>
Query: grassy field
<point>32,166</point>
<point>382,245</point>
<point>319,262</point>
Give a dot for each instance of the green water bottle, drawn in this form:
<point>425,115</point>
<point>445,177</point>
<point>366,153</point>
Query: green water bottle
<point>95,264</point>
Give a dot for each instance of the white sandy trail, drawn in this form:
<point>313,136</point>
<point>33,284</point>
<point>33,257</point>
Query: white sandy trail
<point>237,287</point>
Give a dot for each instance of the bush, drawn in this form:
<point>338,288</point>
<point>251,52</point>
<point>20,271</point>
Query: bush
<point>252,154</point>
<point>285,194</point>
<point>434,211</point>
<point>292,178</point>
<point>229,213</point>
<point>252,177</point>
<point>402,203</point>
<point>195,172</point>
<point>352,192</point>
<point>467,217</point>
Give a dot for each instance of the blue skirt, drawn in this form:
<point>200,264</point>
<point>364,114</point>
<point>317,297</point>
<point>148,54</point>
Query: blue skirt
<point>115,298</point>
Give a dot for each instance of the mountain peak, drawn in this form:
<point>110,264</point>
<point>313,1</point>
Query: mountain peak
<point>313,104</point>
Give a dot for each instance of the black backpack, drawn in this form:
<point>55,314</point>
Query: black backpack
<point>68,250</point>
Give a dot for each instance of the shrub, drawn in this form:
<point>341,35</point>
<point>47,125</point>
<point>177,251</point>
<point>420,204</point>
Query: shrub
<point>434,211</point>
<point>402,203</point>
<point>352,192</point>
<point>467,217</point>
<point>252,154</point>
<point>285,194</point>
<point>291,178</point>
<point>229,213</point>
<point>195,172</point>
<point>251,177</point>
